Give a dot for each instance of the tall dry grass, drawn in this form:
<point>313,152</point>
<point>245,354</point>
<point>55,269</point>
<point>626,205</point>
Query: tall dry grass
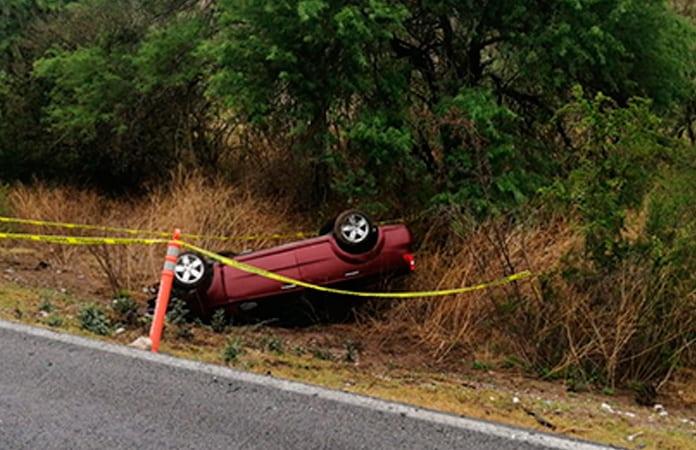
<point>635,324</point>
<point>453,325</point>
<point>191,202</point>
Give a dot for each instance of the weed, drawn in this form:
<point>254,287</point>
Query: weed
<point>273,344</point>
<point>54,320</point>
<point>606,390</point>
<point>232,350</point>
<point>323,354</point>
<point>511,362</point>
<point>92,318</point>
<point>145,322</point>
<point>298,350</point>
<point>352,351</point>
<point>219,321</point>
<point>177,311</point>
<point>480,365</point>
<point>46,306</point>
<point>183,332</point>
<point>126,309</point>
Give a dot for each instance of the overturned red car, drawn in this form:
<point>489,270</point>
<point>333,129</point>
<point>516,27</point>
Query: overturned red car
<point>350,250</point>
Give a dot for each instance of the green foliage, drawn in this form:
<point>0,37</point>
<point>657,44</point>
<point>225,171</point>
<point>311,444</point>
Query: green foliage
<point>232,350</point>
<point>617,152</point>
<point>352,351</point>
<point>92,318</point>
<point>177,311</point>
<point>219,321</point>
<point>322,354</point>
<point>105,93</point>
<point>125,308</point>
<point>46,306</point>
<point>671,216</point>
<point>55,321</point>
<point>184,332</point>
<point>168,57</point>
<point>480,365</point>
<point>90,90</point>
<point>273,344</point>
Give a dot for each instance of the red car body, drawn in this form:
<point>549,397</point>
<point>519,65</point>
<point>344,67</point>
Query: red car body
<point>319,261</point>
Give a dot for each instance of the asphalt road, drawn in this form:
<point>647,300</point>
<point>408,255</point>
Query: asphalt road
<point>64,392</point>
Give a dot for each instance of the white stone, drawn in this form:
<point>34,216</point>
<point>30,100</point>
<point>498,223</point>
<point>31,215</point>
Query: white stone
<point>606,407</point>
<point>142,343</point>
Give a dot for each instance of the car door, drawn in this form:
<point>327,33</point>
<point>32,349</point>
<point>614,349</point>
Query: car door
<point>319,264</point>
<point>243,285</point>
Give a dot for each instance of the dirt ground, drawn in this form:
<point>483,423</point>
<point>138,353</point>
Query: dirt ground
<point>357,357</point>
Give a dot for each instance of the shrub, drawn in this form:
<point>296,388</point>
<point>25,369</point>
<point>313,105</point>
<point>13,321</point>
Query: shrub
<point>177,311</point>
<point>92,318</point>
<point>125,308</point>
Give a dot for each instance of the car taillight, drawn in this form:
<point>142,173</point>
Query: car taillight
<point>410,260</point>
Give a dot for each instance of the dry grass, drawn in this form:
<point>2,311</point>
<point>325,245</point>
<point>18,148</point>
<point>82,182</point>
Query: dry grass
<point>451,326</point>
<point>634,324</point>
<point>192,203</point>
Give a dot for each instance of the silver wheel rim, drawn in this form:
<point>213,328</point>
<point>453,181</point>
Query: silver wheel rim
<point>355,229</point>
<point>189,269</point>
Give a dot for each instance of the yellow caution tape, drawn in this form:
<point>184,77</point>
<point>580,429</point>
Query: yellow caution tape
<point>89,240</point>
<point>287,280</point>
<point>81,240</point>
<point>164,234</point>
<point>132,231</point>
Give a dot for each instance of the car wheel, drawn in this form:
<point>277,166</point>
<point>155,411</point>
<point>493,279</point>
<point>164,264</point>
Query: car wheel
<point>355,232</point>
<point>191,271</point>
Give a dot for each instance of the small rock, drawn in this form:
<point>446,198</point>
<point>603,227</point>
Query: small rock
<point>633,437</point>
<point>515,400</point>
<point>142,343</point>
<point>607,408</point>
<point>658,407</point>
<point>119,330</point>
<point>491,398</point>
<point>663,413</point>
<point>43,314</point>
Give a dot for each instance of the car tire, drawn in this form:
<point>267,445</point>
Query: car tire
<point>355,232</point>
<point>191,272</point>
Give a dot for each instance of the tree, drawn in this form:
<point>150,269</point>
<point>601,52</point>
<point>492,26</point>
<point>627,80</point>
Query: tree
<point>454,95</point>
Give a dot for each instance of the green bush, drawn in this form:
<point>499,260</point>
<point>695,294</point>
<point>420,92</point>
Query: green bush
<point>177,311</point>
<point>125,309</point>
<point>93,318</point>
